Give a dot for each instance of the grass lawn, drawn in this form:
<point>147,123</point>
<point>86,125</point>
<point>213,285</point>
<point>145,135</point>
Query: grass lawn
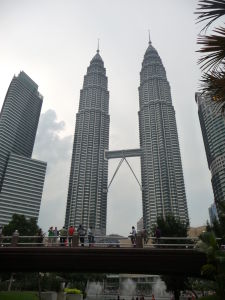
<point>212,297</point>
<point>19,296</point>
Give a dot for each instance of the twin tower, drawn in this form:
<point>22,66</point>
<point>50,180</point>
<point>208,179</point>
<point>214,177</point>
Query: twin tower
<point>162,181</point>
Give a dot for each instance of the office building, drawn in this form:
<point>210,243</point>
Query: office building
<point>163,190</point>
<point>213,132</point>
<point>87,193</point>
<point>21,178</point>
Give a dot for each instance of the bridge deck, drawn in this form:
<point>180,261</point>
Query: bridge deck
<point>122,153</point>
<point>102,260</point>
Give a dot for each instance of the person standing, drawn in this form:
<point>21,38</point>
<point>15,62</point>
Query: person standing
<point>71,231</point>
<point>133,236</point>
<point>157,234</point>
<point>56,233</point>
<point>81,231</point>
<point>39,237</point>
<point>63,236</point>
<point>90,236</point>
<point>50,236</point>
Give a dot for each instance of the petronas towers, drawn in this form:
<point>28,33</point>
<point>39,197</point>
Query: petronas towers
<point>87,194</point>
<point>163,190</point>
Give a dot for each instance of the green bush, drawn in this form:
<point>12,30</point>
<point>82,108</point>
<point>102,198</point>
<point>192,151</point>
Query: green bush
<point>18,296</point>
<point>73,291</point>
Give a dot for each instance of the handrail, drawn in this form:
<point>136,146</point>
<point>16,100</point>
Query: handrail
<point>17,240</point>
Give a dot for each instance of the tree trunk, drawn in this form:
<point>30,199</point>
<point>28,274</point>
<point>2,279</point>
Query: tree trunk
<point>176,295</point>
<point>39,286</point>
<point>10,282</point>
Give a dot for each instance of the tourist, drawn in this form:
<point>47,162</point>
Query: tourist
<point>157,235</point>
<point>50,236</point>
<point>90,236</point>
<point>63,236</point>
<point>56,233</point>
<point>153,297</point>
<point>133,235</point>
<point>71,231</point>
<point>39,239</point>
<point>144,235</point>
<point>81,232</point>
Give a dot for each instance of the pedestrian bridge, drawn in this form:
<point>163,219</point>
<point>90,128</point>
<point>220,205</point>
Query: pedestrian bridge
<point>102,260</point>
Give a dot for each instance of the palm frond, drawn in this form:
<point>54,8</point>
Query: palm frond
<point>214,46</point>
<point>210,10</point>
<point>213,83</point>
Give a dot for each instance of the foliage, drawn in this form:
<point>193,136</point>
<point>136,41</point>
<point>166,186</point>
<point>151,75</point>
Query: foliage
<point>50,282</point>
<point>202,285</point>
<point>18,296</point>
<point>29,281</point>
<point>20,223</point>
<point>174,284</point>
<point>173,227</point>
<point>80,279</point>
<point>215,266</point>
<point>213,49</point>
<point>211,297</point>
<point>210,10</point>
<point>73,291</point>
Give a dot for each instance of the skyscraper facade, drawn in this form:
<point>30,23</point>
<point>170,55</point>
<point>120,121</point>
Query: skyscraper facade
<point>21,178</point>
<point>87,193</point>
<point>163,190</point>
<point>213,132</point>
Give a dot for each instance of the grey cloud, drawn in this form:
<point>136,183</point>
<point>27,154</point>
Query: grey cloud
<point>56,151</point>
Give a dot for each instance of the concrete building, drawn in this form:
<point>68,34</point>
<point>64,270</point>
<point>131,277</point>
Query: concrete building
<point>87,193</point>
<point>163,190</point>
<point>21,178</point>
<point>213,132</point>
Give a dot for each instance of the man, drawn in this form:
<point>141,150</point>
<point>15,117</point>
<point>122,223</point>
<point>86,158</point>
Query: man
<point>81,231</point>
<point>133,236</point>
<point>63,236</point>
<point>90,236</point>
<point>71,231</point>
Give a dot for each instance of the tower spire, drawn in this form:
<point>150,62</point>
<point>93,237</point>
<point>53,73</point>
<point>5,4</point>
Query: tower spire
<point>98,47</point>
<point>149,38</point>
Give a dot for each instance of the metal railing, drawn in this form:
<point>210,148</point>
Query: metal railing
<point>99,241</point>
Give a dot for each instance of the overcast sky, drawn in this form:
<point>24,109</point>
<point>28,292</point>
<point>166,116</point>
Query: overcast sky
<point>53,41</point>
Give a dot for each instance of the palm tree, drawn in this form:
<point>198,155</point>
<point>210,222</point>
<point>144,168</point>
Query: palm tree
<point>213,47</point>
<point>215,267</point>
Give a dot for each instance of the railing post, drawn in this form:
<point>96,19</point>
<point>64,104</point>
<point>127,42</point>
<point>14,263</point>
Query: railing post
<point>15,239</point>
<point>139,241</point>
<point>75,240</point>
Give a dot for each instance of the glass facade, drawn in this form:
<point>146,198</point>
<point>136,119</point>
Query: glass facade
<point>163,190</point>
<point>20,183</point>
<point>213,132</point>
<point>87,193</point>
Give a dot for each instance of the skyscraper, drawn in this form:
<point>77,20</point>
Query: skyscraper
<point>163,190</point>
<point>213,132</point>
<point>87,193</point>
<point>21,178</point>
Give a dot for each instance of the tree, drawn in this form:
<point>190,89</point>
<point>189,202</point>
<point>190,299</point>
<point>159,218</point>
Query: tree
<point>213,47</point>
<point>173,227</point>
<point>79,280</point>
<point>24,226</point>
<point>215,267</point>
